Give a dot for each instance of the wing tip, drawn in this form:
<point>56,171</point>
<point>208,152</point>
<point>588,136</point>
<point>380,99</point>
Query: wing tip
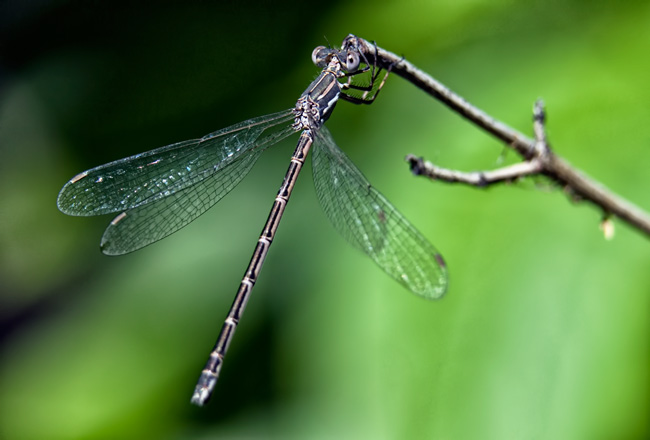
<point>438,287</point>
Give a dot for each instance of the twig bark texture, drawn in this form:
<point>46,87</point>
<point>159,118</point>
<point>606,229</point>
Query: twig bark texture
<point>537,156</point>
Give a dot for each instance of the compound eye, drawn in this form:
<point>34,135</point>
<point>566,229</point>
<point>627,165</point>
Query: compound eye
<point>320,56</point>
<point>352,61</point>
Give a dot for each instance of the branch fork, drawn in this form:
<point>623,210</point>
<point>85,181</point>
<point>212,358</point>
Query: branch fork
<point>534,163</point>
<point>537,156</point>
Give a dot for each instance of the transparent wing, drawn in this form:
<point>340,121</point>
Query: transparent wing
<point>150,222</point>
<point>148,177</point>
<point>367,220</point>
<point>163,190</point>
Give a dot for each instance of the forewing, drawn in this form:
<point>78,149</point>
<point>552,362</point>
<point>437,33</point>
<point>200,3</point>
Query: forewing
<point>371,223</point>
<point>148,177</point>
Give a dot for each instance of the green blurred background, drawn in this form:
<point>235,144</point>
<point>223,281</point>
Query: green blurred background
<point>544,333</point>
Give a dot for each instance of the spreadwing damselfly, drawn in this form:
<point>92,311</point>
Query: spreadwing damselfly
<point>158,192</point>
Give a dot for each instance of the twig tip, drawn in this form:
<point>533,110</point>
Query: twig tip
<point>415,163</point>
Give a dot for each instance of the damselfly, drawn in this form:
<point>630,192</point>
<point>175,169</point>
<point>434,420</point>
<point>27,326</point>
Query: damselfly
<point>158,192</point>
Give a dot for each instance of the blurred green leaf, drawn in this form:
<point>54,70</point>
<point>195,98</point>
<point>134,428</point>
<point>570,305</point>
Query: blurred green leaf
<point>544,331</point>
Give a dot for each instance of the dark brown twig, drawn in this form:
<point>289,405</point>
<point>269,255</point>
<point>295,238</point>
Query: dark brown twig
<point>538,158</point>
